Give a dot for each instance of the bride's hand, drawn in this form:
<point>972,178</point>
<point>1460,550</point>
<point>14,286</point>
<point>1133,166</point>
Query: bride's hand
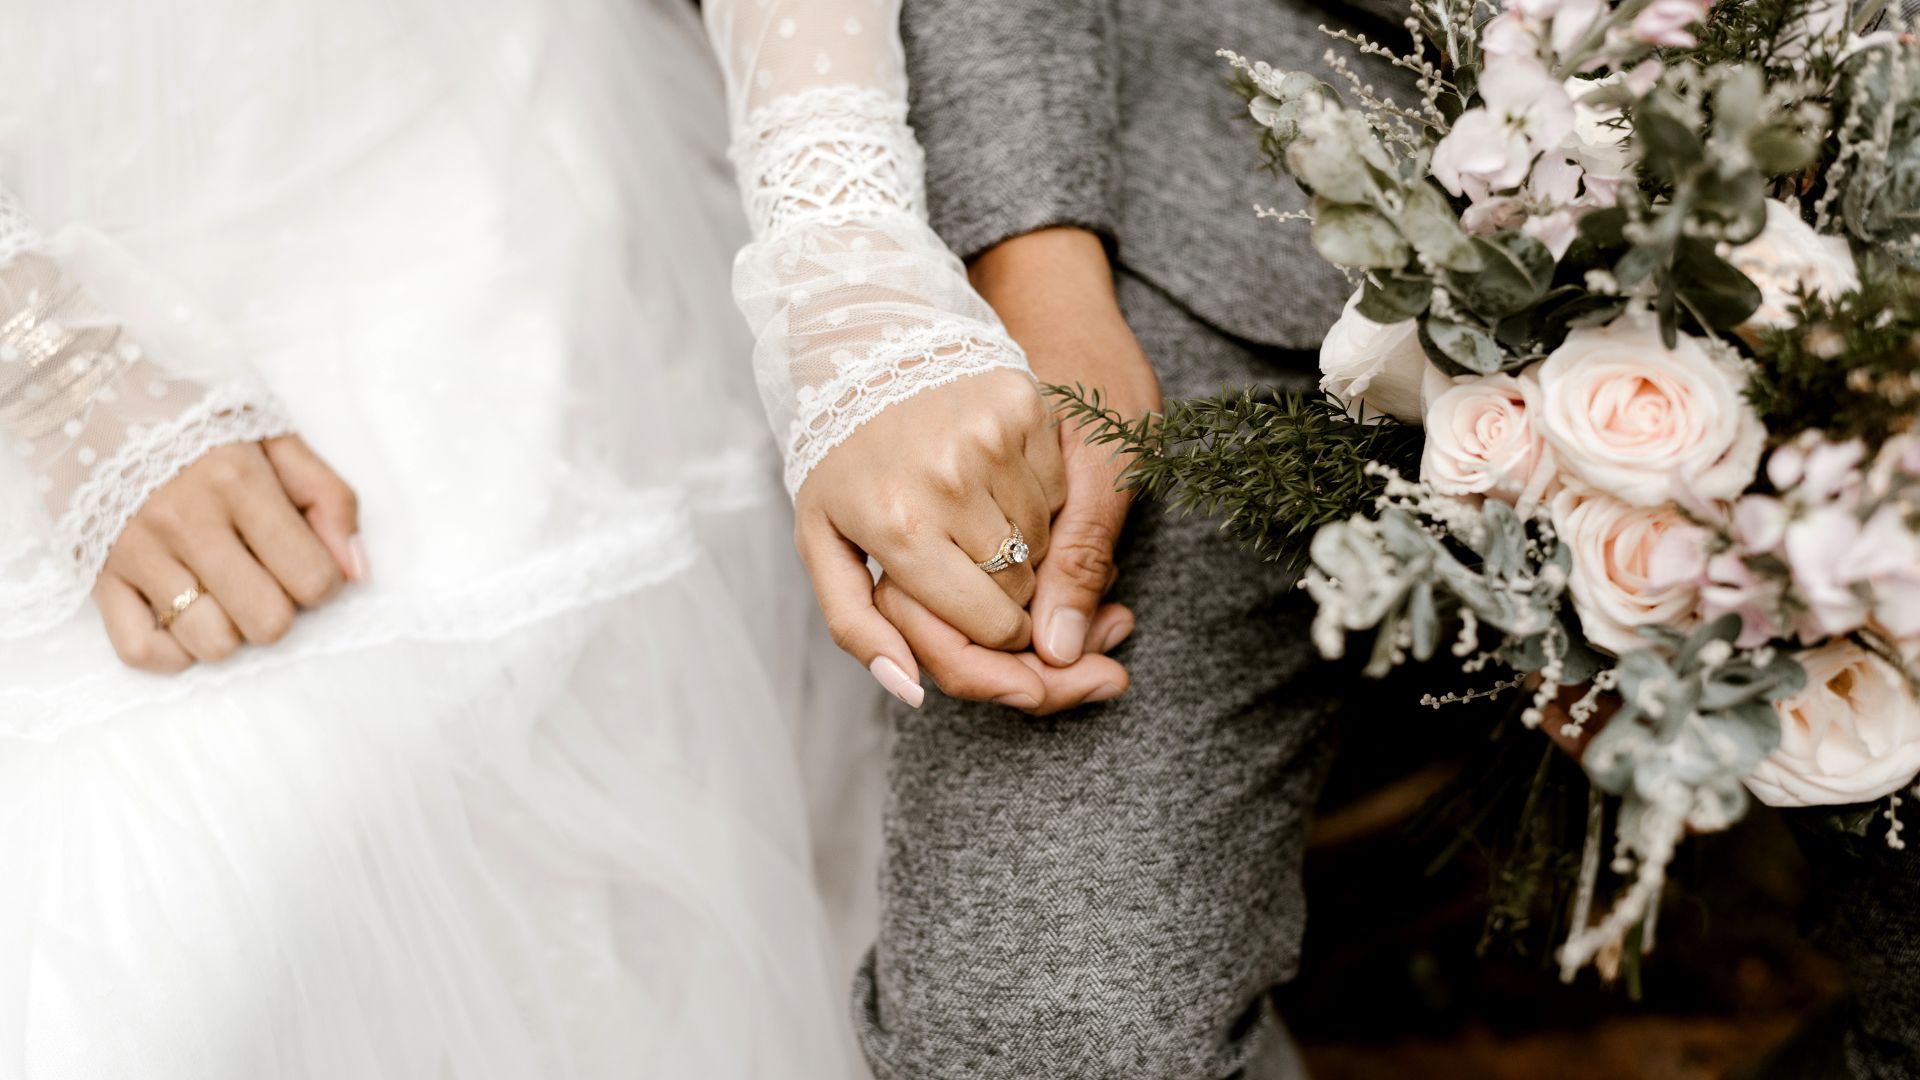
<point>259,528</point>
<point>927,489</point>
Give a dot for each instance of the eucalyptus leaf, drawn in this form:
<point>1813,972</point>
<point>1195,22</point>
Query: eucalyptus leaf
<point>1349,234</point>
<point>1713,288</point>
<point>1430,223</point>
<point>1515,272</point>
<point>1461,349</point>
<point>1387,298</point>
<point>1668,148</point>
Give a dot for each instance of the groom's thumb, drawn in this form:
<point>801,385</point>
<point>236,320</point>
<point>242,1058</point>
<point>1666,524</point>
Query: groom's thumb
<point>1077,571</point>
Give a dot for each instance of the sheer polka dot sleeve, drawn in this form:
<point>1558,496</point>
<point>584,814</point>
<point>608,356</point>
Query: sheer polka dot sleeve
<point>855,303</point>
<point>93,415</point>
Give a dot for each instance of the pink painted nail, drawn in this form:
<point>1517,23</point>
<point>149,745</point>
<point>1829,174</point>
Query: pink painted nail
<point>894,678</point>
<point>358,568</point>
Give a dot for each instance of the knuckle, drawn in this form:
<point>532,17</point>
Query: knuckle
<point>224,470</point>
<point>1005,630</point>
<point>844,631</point>
<point>949,474</point>
<point>1085,556</point>
<point>1022,588</point>
<point>138,652</point>
<point>992,436</point>
<point>313,584</point>
<point>900,523</point>
<point>346,501</point>
<point>273,624</point>
<point>221,643</point>
<point>166,515</point>
<point>132,542</point>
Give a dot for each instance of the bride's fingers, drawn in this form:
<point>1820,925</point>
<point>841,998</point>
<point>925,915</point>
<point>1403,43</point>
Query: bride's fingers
<point>845,589</point>
<point>983,531</point>
<point>948,580</point>
<point>256,603</point>
<point>136,638</point>
<point>328,502</point>
<point>284,544</point>
<point>962,668</point>
<point>203,629</point>
<point>1049,466</point>
<point>1021,499</point>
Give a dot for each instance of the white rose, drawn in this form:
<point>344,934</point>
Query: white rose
<point>1787,257</point>
<point>1480,441</point>
<point>1378,368</point>
<point>1613,582</point>
<point>1852,735</point>
<point>1628,416</point>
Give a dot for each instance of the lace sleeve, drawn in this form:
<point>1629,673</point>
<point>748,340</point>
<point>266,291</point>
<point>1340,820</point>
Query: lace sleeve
<point>854,302</point>
<point>94,416</point>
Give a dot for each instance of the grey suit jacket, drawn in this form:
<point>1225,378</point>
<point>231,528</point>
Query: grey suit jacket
<point>1116,116</point>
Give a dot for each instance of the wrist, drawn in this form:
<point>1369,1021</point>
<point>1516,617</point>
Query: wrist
<point>1054,291</point>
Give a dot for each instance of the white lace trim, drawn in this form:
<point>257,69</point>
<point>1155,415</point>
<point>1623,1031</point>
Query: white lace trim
<point>648,546</point>
<point>118,486</point>
<point>827,156</point>
<point>903,365</point>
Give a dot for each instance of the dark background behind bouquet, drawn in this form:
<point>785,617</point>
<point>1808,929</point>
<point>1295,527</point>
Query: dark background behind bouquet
<point>1402,977</point>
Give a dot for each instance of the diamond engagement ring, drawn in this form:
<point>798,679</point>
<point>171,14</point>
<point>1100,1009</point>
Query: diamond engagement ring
<point>179,607</point>
<point>1013,552</point>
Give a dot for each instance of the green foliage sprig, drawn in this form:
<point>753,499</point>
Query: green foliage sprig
<point>1850,367</point>
<point>1273,467</point>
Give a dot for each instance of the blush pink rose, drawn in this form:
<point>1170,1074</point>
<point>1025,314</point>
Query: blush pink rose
<point>1617,583</point>
<point>1480,442</point>
<point>1852,735</point>
<point>1631,418</point>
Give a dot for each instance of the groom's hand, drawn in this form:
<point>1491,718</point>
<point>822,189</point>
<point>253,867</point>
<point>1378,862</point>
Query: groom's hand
<point>1054,290</point>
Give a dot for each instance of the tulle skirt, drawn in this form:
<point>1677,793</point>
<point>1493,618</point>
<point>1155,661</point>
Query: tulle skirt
<point>529,804</point>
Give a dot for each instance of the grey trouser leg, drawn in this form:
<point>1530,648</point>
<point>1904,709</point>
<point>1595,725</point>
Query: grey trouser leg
<point>1110,893</point>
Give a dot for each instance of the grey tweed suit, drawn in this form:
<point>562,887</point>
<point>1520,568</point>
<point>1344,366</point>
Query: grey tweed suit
<point>1111,893</point>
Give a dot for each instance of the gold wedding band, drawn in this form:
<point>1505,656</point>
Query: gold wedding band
<point>179,607</point>
<point>1013,551</point>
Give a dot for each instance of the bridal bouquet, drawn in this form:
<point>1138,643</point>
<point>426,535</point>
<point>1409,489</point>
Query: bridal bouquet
<point>1622,412</point>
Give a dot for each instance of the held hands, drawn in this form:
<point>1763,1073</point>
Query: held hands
<point>257,529</point>
<point>928,487</point>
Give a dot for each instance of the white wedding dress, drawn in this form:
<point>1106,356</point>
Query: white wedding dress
<point>525,805</point>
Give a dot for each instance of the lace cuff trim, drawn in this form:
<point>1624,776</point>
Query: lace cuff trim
<point>904,365</point>
<point>828,156</point>
<point>100,507</point>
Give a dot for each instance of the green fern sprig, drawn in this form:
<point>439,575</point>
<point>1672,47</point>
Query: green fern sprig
<point>1272,467</point>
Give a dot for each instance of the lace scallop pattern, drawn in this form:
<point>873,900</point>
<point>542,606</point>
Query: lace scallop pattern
<point>900,367</point>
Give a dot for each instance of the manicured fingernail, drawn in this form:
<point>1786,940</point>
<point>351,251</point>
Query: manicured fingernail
<point>894,678</point>
<point>1106,692</point>
<point>1017,701</point>
<point>1067,635</point>
<point>1116,634</point>
<point>358,568</point>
